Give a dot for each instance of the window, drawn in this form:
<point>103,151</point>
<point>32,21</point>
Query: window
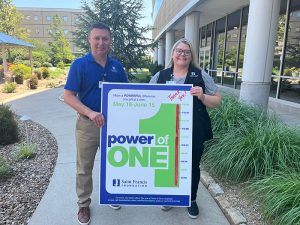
<point>77,18</point>
<point>297,29</point>
<point>27,17</point>
<point>28,30</point>
<point>36,18</point>
<point>37,30</point>
<point>49,31</point>
<point>48,18</point>
<point>296,14</point>
<point>65,18</point>
<point>234,35</point>
<point>66,31</point>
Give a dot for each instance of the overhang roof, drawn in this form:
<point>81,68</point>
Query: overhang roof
<point>9,41</point>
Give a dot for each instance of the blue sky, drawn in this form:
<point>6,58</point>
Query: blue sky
<point>75,4</point>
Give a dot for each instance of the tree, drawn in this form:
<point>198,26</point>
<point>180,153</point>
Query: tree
<point>129,45</point>
<point>10,19</point>
<point>60,47</point>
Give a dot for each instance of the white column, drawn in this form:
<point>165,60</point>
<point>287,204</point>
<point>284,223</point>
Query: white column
<point>170,40</point>
<point>4,61</point>
<point>155,52</point>
<point>259,51</point>
<point>192,30</point>
<point>161,53</point>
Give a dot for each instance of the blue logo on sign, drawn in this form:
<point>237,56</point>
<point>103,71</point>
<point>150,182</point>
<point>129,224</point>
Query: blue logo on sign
<point>116,182</point>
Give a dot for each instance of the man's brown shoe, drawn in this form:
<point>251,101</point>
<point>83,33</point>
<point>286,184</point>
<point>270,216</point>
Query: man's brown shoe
<point>83,216</point>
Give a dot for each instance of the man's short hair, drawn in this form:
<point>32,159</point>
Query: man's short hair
<point>100,25</point>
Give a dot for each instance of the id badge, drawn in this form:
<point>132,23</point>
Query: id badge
<point>171,82</point>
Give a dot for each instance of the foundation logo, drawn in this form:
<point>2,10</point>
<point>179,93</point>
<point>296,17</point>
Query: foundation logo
<point>156,146</point>
<point>116,182</point>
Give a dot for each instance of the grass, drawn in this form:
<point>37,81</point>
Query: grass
<point>57,72</point>
<point>252,145</point>
<point>5,169</point>
<point>26,150</point>
<point>280,195</point>
<point>140,76</point>
<point>232,114</point>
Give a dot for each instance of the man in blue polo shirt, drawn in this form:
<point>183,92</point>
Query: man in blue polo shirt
<point>82,93</point>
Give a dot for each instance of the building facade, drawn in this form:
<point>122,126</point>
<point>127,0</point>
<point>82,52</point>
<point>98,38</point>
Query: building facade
<point>250,45</point>
<point>37,22</point>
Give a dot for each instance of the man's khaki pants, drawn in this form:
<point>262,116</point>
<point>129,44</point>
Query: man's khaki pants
<point>87,143</point>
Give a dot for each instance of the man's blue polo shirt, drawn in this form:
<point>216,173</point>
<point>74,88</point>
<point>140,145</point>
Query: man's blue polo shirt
<point>84,77</point>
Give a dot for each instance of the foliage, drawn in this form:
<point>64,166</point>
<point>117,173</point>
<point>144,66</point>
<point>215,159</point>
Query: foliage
<point>38,73</point>
<point>60,47</point>
<point>56,72</point>
<point>5,169</point>
<point>9,132</point>
<point>232,114</point>
<point>252,146</point>
<point>60,65</point>
<point>41,52</point>
<point>33,82</point>
<point>26,150</point>
<point>154,68</point>
<point>47,64</point>
<point>10,19</point>
<point>280,197</point>
<point>141,76</point>
<point>45,72</point>
<point>21,72</point>
<point>36,64</point>
<point>128,42</point>
<point>9,87</point>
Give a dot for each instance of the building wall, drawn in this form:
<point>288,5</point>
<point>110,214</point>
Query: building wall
<point>37,22</point>
<point>223,62</point>
<point>167,11</point>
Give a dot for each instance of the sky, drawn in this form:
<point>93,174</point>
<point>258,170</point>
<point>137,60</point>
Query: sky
<point>76,4</point>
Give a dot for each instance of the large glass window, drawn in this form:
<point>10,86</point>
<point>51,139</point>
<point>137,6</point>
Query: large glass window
<point>286,66</point>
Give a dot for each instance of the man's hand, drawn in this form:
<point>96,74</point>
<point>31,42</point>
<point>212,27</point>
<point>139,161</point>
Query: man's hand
<point>97,118</point>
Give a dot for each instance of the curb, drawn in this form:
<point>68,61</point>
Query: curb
<point>232,214</point>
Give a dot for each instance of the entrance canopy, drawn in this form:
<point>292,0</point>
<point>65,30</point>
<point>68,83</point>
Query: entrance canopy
<point>6,42</point>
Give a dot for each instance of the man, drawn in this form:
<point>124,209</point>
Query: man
<point>82,92</point>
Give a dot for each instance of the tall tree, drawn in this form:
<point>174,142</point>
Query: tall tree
<point>60,47</point>
<point>10,19</point>
<point>129,44</point>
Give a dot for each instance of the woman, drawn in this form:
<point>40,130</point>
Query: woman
<point>183,69</point>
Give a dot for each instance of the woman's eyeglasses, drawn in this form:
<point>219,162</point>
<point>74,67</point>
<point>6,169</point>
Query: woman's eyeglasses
<point>183,52</point>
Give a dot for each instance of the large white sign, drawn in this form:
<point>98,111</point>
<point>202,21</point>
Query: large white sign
<point>146,144</point>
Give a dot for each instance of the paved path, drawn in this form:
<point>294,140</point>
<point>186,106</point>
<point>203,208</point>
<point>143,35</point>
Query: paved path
<point>58,205</point>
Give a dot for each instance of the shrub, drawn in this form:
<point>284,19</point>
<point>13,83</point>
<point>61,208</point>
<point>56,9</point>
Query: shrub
<point>47,64</point>
<point>155,67</point>
<point>21,71</point>
<point>60,65</point>
<point>26,150</point>
<point>280,197</point>
<point>51,84</point>
<point>36,64</point>
<point>33,82</point>
<point>232,114</point>
<point>45,72</point>
<point>9,87</point>
<point>9,132</point>
<point>5,169</point>
<point>254,149</point>
<point>19,78</point>
<point>38,73</point>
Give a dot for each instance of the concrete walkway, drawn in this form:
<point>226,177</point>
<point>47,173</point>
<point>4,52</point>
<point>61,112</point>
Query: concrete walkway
<point>58,205</point>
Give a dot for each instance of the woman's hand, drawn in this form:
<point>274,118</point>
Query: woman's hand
<point>198,92</point>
